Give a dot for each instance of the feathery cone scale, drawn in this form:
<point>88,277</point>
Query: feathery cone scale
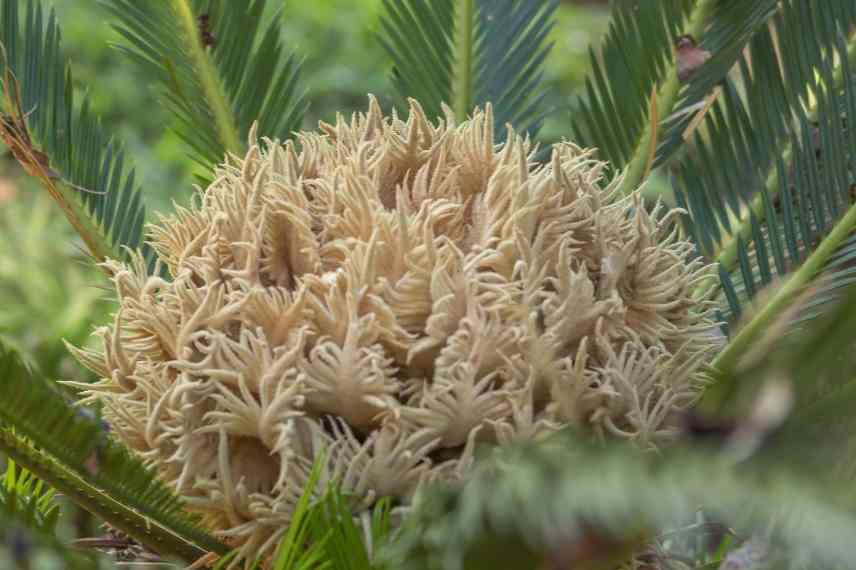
<point>392,294</point>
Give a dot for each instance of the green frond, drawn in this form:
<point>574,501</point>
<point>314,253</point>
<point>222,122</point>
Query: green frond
<point>343,542</point>
<point>60,141</point>
<point>511,52</point>
<point>419,37</point>
<point>222,66</point>
<point>732,27</point>
<point>41,431</point>
<point>564,504</point>
<point>466,54</point>
<point>28,517</point>
<point>809,373</point>
<point>635,72</point>
<point>300,548</point>
<point>28,498</point>
<point>768,188</point>
<point>323,534</point>
<point>634,57</point>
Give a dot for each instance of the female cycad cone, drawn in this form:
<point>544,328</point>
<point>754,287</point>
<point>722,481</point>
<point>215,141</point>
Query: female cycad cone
<point>392,294</point>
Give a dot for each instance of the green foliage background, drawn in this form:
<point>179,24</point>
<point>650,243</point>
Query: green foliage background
<point>343,62</point>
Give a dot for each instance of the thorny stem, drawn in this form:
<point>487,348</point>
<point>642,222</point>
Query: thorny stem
<point>463,86</point>
<point>665,101</point>
<point>211,85</point>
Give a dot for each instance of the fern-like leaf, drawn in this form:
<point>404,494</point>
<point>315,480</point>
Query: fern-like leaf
<point>768,188</point>
<point>221,67</point>
<point>61,142</point>
<point>635,74</point>
<point>73,453</point>
<point>28,519</point>
<point>29,499</point>
<point>465,54</point>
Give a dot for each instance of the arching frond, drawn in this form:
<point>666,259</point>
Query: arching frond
<point>638,100</point>
<point>61,142</point>
<point>42,432</point>
<point>768,188</point>
<point>465,54</point>
<point>222,65</point>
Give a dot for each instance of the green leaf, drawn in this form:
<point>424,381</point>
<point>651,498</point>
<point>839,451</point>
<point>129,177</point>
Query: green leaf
<point>72,452</point>
<point>324,535</point>
<point>61,142</point>
<point>28,518</point>
<point>768,185</point>
<point>29,498</point>
<point>466,54</point>
<point>635,71</point>
<point>293,552</point>
<point>216,85</point>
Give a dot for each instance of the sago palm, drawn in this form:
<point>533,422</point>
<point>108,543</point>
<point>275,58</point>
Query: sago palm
<point>309,354</point>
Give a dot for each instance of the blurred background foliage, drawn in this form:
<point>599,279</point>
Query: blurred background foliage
<point>48,288</point>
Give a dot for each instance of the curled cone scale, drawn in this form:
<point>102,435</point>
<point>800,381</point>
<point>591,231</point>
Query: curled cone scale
<point>392,293</point>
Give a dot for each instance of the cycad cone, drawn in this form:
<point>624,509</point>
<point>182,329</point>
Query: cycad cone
<point>393,293</point>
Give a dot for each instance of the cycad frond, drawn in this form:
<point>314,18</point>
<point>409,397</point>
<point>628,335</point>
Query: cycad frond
<point>60,142</point>
<point>28,517</point>
<point>28,498</point>
<point>73,453</point>
<point>222,68</point>
<point>564,504</point>
<point>768,189</point>
<point>323,533</point>
<point>468,53</point>
<point>635,56</point>
<point>635,92</point>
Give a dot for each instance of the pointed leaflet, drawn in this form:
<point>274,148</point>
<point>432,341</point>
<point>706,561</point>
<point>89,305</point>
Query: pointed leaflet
<point>771,176</point>
<point>465,54</point>
<point>71,452</point>
<point>222,65</point>
<point>59,141</point>
<point>28,516</point>
<point>637,58</point>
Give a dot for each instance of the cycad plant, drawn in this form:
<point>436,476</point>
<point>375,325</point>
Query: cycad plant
<point>335,322</point>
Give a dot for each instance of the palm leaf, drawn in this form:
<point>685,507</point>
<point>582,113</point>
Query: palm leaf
<point>635,75</point>
<point>28,517</point>
<point>466,54</point>
<point>768,187</point>
<point>29,499</point>
<point>222,66</point>
<point>71,452</point>
<point>61,142</point>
